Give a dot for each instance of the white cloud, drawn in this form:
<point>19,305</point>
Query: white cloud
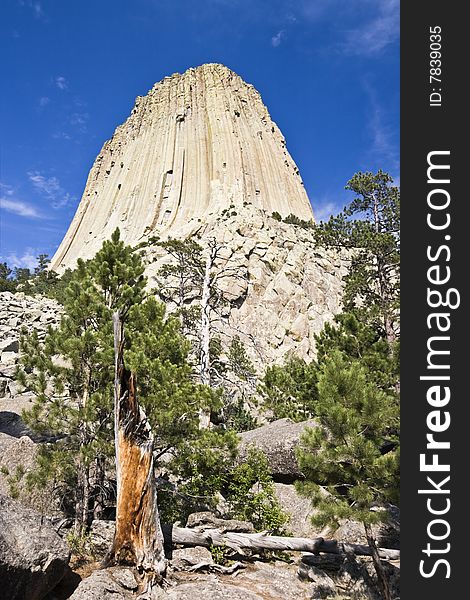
<point>61,135</point>
<point>18,207</point>
<point>43,101</point>
<point>323,209</point>
<point>277,39</point>
<point>61,82</point>
<point>50,188</point>
<point>79,118</point>
<point>35,7</point>
<point>383,148</point>
<point>376,33</point>
<point>27,260</point>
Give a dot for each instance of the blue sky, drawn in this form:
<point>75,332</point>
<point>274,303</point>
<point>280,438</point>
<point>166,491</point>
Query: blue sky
<point>328,70</point>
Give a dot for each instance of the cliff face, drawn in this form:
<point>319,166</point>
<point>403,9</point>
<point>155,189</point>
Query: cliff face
<point>195,145</point>
<point>200,156</point>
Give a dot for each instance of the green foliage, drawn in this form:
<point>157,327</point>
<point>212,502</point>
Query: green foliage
<point>80,544</point>
<point>294,220</point>
<point>250,493</point>
<point>289,391</point>
<point>358,341</point>
<point>14,481</point>
<point>221,555</point>
<point>276,215</point>
<point>345,454</point>
<point>71,372</point>
<point>370,226</point>
<point>7,284</point>
<point>239,362</point>
<point>237,416</point>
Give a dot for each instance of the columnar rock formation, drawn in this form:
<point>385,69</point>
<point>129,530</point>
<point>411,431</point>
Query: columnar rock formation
<point>196,144</point>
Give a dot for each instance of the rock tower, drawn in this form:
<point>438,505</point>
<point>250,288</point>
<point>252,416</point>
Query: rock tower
<point>196,144</point>
<point>200,156</point>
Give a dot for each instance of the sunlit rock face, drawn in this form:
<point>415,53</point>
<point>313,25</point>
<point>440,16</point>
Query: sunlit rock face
<point>196,144</point>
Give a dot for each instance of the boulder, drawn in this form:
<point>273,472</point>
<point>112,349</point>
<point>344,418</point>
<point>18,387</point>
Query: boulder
<point>107,584</point>
<point>101,537</point>
<point>298,509</point>
<point>278,440</point>
<point>324,586</point>
<point>33,557</point>
<point>212,589</point>
<point>189,557</point>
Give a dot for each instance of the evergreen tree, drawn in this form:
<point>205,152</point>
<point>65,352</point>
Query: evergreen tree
<point>180,281</point>
<point>370,227</point>
<point>7,284</point>
<point>72,371</point>
<point>71,375</point>
<point>289,391</point>
<point>195,283</point>
<point>349,454</point>
<point>359,341</point>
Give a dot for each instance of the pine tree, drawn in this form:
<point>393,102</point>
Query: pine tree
<point>359,341</point>
<point>7,284</point>
<point>370,227</point>
<point>290,390</point>
<point>194,283</point>
<point>71,375</point>
<point>352,454</point>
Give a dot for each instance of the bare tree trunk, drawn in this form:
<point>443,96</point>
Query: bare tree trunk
<point>138,538</point>
<point>204,360</point>
<point>99,477</point>
<point>82,499</point>
<point>259,541</point>
<point>381,576</point>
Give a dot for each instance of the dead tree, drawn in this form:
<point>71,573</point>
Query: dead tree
<point>138,538</point>
<point>260,541</point>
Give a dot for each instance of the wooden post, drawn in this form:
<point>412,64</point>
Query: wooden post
<point>138,538</point>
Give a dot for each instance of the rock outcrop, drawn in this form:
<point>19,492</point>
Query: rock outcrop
<point>196,144</point>
<point>18,311</point>
<point>33,558</point>
<point>199,156</point>
<point>278,440</point>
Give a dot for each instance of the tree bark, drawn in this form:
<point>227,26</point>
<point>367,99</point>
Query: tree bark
<point>138,538</point>
<point>204,360</point>
<point>374,551</point>
<point>259,541</point>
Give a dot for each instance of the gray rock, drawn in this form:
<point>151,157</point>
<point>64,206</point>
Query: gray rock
<point>9,344</point>
<point>324,586</point>
<point>101,537</point>
<point>212,589</point>
<point>102,585</point>
<point>33,557</point>
<point>278,440</point>
<point>187,557</point>
<point>298,509</point>
<point>209,519</point>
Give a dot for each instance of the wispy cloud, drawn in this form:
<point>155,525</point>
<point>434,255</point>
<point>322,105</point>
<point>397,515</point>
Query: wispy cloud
<point>376,33</point>
<point>61,82</point>
<point>26,260</point>
<point>18,207</point>
<point>277,39</point>
<point>43,101</point>
<point>384,148</point>
<point>61,135</point>
<point>79,120</point>
<point>50,188</point>
<point>324,208</point>
<point>35,7</point>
